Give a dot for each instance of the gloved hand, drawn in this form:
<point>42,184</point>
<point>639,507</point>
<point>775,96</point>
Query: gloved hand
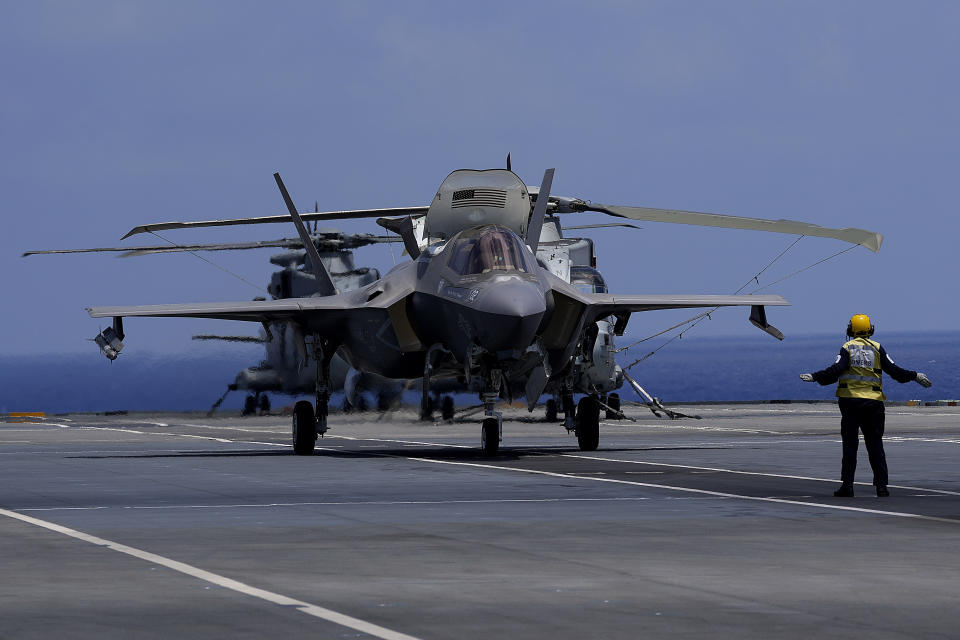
<point>923,379</point>
<point>808,377</point>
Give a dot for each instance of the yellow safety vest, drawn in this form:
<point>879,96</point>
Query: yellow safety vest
<point>864,377</point>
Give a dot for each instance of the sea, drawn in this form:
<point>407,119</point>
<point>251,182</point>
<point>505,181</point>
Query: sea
<point>694,369</point>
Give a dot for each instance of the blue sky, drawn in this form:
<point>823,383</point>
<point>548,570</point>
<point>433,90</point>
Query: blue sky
<point>837,113</point>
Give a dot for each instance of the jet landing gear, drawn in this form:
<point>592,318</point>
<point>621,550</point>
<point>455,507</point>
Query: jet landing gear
<point>304,428</point>
<point>493,420</point>
<point>588,423</point>
<point>308,423</point>
<point>490,435</point>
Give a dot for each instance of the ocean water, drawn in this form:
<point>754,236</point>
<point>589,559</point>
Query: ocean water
<point>694,369</point>
<point>760,368</point>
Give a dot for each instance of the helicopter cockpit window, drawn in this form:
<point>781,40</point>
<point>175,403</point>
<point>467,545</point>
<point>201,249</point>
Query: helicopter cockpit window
<point>487,249</point>
<point>587,279</point>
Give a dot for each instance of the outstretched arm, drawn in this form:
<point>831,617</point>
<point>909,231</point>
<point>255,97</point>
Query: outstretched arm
<point>832,373</point>
<point>897,373</point>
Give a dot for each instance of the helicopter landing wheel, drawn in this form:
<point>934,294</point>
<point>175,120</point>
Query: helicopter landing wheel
<point>446,408</point>
<point>551,410</point>
<point>613,401</point>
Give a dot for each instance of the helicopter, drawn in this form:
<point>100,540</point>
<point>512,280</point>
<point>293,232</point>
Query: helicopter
<point>285,369</point>
<point>474,302</point>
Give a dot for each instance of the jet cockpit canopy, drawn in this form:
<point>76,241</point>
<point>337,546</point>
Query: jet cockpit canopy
<point>484,249</point>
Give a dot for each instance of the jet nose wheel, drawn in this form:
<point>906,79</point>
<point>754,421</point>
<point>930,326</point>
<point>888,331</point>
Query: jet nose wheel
<point>490,437</point>
<point>304,428</point>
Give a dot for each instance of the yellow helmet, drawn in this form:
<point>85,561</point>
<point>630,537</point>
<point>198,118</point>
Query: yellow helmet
<point>860,325</point>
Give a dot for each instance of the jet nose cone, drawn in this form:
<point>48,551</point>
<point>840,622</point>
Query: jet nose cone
<point>509,315</point>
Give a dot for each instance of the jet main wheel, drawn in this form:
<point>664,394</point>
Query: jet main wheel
<point>446,408</point>
<point>490,437</point>
<point>613,401</point>
<point>551,410</point>
<point>588,423</point>
<point>304,428</point>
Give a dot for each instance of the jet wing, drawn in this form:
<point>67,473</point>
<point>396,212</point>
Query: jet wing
<point>330,316</point>
<point>574,308</point>
<point>599,305</point>
<point>608,304</point>
<point>254,311</point>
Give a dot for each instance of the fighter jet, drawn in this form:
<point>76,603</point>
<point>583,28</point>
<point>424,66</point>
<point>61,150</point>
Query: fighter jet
<point>474,302</point>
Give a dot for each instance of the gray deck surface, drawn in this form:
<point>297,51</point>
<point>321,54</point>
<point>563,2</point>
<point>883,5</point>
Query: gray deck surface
<point>724,526</point>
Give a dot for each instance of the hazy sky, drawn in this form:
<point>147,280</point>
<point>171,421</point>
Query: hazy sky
<point>837,113</point>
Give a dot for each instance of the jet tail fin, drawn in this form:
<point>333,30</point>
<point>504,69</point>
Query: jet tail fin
<point>324,282</point>
<point>539,210</point>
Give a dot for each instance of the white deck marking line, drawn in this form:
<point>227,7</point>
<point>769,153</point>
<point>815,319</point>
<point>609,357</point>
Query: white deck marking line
<point>244,429</point>
<point>221,581</point>
<point>919,439</point>
<point>665,464</point>
<point>185,435</point>
<point>6,431</point>
<point>706,428</point>
<point>347,503</point>
<point>405,442</point>
<point>746,473</point>
<point>41,424</point>
<point>721,494</point>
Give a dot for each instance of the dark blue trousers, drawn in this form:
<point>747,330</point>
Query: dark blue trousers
<point>858,414</point>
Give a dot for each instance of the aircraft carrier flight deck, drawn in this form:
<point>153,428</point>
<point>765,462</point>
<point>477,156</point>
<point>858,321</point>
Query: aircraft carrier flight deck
<point>180,525</point>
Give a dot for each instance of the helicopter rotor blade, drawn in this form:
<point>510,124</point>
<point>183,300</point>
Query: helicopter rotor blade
<point>869,239</point>
<point>324,242</point>
<point>307,216</point>
<point>602,226</point>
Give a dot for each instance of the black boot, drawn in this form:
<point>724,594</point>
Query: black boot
<point>882,491</point>
<point>845,491</point>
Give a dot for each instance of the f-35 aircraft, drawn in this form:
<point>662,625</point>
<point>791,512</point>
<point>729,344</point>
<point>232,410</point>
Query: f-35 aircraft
<point>474,303</point>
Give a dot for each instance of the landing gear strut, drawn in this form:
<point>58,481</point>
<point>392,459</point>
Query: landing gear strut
<point>427,404</point>
<point>493,420</point>
<point>310,422</point>
<point>566,404</point>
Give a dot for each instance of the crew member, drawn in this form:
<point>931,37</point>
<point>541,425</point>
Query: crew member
<point>857,371</point>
